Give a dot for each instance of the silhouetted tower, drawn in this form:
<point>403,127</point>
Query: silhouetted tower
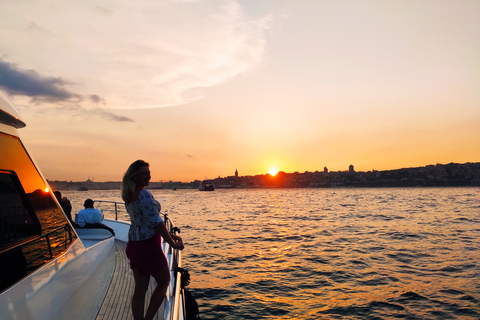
<point>236,173</point>
<point>325,170</point>
<point>350,169</point>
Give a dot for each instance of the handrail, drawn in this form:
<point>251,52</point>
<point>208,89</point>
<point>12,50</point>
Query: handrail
<point>176,294</point>
<point>114,202</point>
<point>66,228</point>
<point>177,256</point>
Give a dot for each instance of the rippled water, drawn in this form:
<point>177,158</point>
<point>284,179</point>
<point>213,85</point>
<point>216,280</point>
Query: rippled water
<point>410,253</point>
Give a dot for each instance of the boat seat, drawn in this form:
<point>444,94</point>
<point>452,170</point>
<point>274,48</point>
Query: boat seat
<point>93,233</point>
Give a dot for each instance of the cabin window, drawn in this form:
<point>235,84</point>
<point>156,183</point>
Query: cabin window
<point>18,222</point>
<point>33,229</point>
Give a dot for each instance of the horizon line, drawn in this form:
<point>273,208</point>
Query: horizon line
<point>373,170</point>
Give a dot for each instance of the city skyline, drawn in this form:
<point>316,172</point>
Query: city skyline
<point>197,88</point>
<point>350,169</point>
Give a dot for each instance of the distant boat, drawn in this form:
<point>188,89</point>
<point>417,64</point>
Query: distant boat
<point>206,185</point>
<point>82,189</point>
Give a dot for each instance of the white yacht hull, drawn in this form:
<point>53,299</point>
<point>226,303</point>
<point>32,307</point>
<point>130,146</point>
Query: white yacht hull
<point>48,269</point>
<point>43,294</point>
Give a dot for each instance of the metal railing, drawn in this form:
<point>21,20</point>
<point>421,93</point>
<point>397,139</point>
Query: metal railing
<point>35,252</point>
<point>67,239</point>
<point>117,207</point>
<point>177,258</point>
<point>67,230</point>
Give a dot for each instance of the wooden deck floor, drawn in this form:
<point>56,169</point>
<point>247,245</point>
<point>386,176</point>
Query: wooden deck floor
<point>116,305</point>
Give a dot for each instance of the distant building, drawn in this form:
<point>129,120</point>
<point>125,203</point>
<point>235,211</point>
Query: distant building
<point>350,169</point>
<point>325,170</point>
<point>236,173</point>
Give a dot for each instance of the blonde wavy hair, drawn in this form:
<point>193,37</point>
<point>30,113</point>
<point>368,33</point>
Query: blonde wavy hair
<point>128,184</point>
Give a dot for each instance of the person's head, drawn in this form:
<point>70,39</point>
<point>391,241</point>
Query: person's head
<point>88,203</point>
<point>58,195</point>
<point>136,177</point>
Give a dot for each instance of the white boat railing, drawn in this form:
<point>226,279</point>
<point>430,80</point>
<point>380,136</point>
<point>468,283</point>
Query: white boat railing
<point>177,298</point>
<point>115,208</point>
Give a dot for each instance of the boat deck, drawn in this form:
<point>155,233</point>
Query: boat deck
<point>117,303</point>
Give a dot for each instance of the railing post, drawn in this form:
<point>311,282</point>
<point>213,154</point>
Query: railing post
<point>67,227</point>
<point>49,246</point>
<point>116,218</point>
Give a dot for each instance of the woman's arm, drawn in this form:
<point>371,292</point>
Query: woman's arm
<point>175,237</point>
<point>162,230</point>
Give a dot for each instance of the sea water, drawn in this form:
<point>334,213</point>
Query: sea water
<point>409,253</point>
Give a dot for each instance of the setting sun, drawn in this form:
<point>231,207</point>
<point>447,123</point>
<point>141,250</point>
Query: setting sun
<point>273,171</point>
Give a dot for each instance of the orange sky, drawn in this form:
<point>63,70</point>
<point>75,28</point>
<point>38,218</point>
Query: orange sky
<point>199,89</point>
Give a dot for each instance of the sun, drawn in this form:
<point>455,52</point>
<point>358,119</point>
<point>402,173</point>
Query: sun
<point>273,170</point>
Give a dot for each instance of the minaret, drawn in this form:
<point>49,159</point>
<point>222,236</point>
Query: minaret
<point>236,173</point>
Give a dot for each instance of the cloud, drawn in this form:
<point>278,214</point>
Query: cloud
<point>112,116</point>
<point>97,99</point>
<point>133,54</point>
<point>29,83</point>
<point>78,111</point>
<point>47,90</point>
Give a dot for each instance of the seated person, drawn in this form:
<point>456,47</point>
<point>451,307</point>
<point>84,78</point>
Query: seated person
<point>91,217</point>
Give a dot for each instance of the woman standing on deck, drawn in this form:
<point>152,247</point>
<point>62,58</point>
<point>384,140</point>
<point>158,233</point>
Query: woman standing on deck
<point>144,240</point>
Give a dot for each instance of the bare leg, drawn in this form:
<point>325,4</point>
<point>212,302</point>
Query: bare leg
<point>138,298</point>
<point>163,280</point>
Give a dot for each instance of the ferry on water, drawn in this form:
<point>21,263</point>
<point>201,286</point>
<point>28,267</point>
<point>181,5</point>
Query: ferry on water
<point>49,269</point>
<point>206,185</point>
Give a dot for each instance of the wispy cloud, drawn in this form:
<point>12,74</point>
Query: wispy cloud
<point>138,54</point>
<point>112,116</point>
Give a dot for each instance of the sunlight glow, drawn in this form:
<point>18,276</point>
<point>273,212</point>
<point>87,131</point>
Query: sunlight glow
<point>273,170</point>
<point>47,190</point>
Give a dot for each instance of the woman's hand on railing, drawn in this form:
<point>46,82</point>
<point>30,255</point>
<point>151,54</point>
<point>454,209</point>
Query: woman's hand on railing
<point>178,245</point>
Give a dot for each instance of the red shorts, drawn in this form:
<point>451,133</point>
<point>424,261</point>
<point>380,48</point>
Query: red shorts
<point>147,255</point>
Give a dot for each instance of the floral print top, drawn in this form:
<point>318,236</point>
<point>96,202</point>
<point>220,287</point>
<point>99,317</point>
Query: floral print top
<point>144,216</point>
